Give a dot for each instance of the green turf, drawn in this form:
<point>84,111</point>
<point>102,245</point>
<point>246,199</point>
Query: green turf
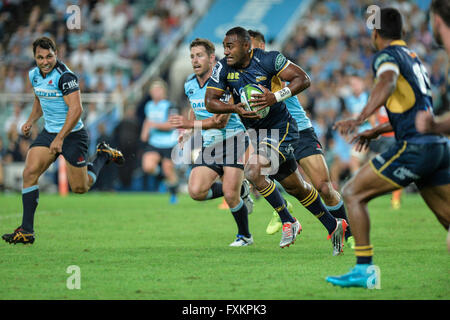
<point>137,246</point>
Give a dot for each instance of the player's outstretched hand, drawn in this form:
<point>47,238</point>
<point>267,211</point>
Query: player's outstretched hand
<point>345,127</point>
<point>26,129</point>
<point>177,121</point>
<point>424,121</point>
<point>240,110</point>
<point>183,137</point>
<point>362,139</point>
<point>262,100</point>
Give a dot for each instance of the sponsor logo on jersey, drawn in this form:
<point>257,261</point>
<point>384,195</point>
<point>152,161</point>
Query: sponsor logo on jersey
<point>216,72</point>
<point>280,61</point>
<point>70,85</point>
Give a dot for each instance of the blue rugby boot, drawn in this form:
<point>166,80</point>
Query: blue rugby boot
<point>359,276</point>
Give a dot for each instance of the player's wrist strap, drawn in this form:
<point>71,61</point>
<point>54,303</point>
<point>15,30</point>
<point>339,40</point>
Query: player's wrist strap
<point>283,94</point>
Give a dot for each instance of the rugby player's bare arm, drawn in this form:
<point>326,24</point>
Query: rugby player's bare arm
<point>426,123</point>
<point>218,121</point>
<point>165,126</point>
<point>298,81</point>
<point>147,125</point>
<point>35,115</point>
<point>384,87</point>
<point>73,101</point>
<point>215,105</point>
<point>362,139</point>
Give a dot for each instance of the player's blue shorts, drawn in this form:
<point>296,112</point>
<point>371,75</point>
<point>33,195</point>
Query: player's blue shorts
<point>424,164</point>
<point>278,144</point>
<point>228,153</point>
<point>280,140</point>
<point>74,149</point>
<point>164,153</point>
<point>308,144</point>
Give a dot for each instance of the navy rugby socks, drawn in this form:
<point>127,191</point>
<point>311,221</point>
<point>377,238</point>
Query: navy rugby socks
<point>314,204</point>
<point>30,199</point>
<point>240,215</point>
<point>215,191</point>
<point>274,197</point>
<point>95,167</point>
<point>338,211</point>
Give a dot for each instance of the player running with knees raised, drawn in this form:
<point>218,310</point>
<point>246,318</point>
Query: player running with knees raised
<point>217,159</point>
<point>403,87</point>
<point>275,136</point>
<point>310,157</point>
<point>57,98</point>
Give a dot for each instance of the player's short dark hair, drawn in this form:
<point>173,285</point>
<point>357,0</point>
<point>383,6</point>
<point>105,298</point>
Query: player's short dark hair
<point>240,32</point>
<point>44,43</point>
<point>208,45</point>
<point>257,35</point>
<point>391,24</point>
<point>442,9</point>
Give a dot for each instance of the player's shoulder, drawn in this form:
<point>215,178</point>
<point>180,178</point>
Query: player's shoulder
<point>387,55</point>
<point>32,74</point>
<point>190,84</point>
<point>394,53</point>
<point>190,78</point>
<point>220,70</point>
<point>274,60</point>
<point>61,68</point>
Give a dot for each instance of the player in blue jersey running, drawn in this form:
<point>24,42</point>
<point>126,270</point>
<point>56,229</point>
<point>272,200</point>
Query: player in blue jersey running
<point>217,132</point>
<point>310,157</point>
<point>275,136</point>
<point>403,87</point>
<point>57,98</point>
<point>160,137</point>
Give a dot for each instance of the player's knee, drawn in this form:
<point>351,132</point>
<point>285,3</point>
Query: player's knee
<point>327,192</point>
<point>30,175</point>
<point>80,189</point>
<point>232,197</point>
<point>197,193</point>
<point>149,168</point>
<point>252,172</point>
<point>348,193</point>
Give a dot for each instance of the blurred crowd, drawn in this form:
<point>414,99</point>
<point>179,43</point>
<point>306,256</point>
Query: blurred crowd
<point>118,39</point>
<point>115,42</point>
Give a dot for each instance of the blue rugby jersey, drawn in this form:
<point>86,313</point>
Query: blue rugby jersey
<point>298,113</point>
<point>263,69</point>
<point>412,92</point>
<point>196,95</point>
<point>159,113</point>
<point>50,91</point>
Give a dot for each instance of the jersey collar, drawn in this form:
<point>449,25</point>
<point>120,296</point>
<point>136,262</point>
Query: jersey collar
<point>398,43</point>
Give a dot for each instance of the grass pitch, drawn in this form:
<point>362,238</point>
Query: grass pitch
<point>137,246</point>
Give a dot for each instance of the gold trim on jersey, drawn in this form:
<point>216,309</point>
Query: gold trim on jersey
<point>208,87</point>
<point>276,84</point>
<point>285,66</point>
<point>403,97</point>
<point>398,43</point>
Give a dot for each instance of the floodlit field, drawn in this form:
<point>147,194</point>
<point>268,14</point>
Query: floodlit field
<point>137,246</point>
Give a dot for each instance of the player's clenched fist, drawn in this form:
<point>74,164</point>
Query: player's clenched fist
<point>26,129</point>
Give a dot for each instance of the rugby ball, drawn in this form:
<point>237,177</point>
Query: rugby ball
<point>246,95</point>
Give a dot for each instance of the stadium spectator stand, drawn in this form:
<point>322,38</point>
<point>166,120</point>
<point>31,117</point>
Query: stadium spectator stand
<point>119,40</point>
